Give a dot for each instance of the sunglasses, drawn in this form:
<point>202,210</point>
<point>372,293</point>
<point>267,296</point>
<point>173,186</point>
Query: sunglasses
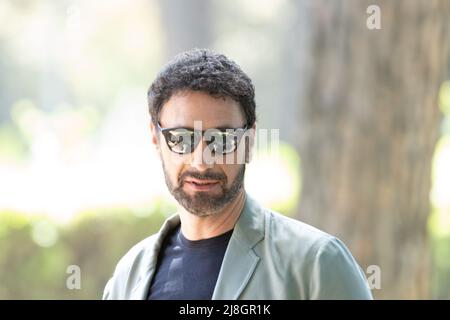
<point>220,141</point>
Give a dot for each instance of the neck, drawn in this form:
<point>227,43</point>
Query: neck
<point>197,228</point>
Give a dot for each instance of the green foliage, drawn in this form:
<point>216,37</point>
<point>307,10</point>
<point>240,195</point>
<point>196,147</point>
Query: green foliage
<point>441,267</point>
<point>13,146</point>
<point>439,219</point>
<point>444,98</point>
<point>94,242</point>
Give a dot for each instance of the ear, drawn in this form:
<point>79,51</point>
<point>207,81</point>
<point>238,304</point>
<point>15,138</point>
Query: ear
<point>154,136</point>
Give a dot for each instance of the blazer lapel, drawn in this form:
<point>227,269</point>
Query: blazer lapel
<point>240,259</point>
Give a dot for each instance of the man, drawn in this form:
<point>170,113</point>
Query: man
<point>221,244</point>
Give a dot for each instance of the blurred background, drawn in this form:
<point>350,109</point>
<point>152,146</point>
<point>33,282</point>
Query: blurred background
<point>363,117</point>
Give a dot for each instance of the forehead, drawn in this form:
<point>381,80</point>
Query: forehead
<point>184,108</point>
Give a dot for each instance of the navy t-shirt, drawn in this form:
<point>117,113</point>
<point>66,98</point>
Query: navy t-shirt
<point>188,270</point>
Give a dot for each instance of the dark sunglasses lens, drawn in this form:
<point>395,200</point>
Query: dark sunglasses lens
<point>222,142</point>
<point>181,140</point>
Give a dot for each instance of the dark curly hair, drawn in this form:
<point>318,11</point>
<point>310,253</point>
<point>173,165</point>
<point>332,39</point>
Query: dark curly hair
<point>206,71</point>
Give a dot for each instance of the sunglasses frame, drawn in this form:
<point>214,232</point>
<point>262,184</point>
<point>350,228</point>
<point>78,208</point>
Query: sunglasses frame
<point>200,133</point>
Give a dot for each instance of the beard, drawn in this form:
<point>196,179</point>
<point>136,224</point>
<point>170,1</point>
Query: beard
<point>204,204</point>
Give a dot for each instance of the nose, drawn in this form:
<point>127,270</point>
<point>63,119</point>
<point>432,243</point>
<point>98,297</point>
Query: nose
<point>199,157</point>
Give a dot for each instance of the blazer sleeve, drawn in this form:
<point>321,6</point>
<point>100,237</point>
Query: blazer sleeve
<point>335,274</point>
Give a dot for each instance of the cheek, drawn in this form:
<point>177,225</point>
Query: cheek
<point>173,163</point>
<point>231,172</point>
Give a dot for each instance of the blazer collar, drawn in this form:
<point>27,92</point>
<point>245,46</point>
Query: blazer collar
<point>140,289</point>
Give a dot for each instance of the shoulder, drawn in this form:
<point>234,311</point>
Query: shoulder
<point>300,237</point>
<point>134,256</point>
<point>128,269</point>
<point>320,262</point>
<point>136,263</point>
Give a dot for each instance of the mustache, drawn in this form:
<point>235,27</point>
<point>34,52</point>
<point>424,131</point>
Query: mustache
<point>207,175</point>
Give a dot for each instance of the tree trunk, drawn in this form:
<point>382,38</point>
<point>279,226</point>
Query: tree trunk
<point>368,132</point>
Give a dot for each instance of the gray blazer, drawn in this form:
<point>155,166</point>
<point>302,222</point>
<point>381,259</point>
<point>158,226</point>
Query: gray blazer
<point>269,256</point>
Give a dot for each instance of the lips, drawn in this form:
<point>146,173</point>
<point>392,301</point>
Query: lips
<point>200,182</point>
<point>201,185</point>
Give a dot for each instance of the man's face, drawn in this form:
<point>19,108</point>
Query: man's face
<point>201,187</point>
